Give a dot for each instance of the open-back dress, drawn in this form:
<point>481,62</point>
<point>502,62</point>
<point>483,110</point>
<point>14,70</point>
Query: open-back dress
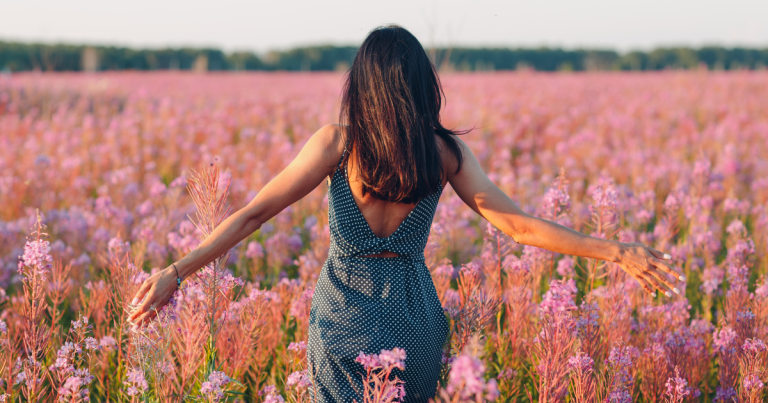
<point>372,303</point>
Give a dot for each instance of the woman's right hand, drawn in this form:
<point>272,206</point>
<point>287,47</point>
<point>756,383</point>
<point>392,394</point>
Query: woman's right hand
<point>153,294</point>
<point>647,266</point>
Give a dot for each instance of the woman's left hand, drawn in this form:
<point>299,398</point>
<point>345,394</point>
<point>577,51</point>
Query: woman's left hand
<point>153,294</point>
<point>647,266</point>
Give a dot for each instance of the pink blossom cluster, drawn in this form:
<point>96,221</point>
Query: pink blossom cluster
<point>213,387</point>
<point>135,382</point>
<point>467,379</point>
<point>298,379</point>
<point>559,297</point>
<point>386,360</point>
<point>271,395</point>
<point>37,255</point>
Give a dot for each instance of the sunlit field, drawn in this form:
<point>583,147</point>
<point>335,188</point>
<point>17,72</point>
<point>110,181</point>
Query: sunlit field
<point>105,178</point>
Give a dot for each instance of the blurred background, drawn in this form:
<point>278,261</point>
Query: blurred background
<point>481,35</point>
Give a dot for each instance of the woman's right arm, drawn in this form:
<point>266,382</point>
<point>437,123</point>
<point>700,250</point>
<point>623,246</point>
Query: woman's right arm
<point>479,193</point>
<point>316,160</point>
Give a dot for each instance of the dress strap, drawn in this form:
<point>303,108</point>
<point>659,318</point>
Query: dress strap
<point>343,154</point>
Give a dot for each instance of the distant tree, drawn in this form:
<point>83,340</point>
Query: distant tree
<point>33,56</point>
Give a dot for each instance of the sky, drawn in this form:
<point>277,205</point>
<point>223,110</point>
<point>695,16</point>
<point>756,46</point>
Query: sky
<point>262,25</point>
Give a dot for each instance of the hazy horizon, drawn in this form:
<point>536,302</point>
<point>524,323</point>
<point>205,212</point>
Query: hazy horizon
<point>234,25</point>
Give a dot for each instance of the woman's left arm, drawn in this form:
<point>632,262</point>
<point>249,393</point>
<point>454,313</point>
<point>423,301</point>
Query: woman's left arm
<point>316,160</point>
<point>643,263</point>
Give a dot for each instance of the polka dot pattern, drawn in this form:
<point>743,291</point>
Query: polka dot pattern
<point>373,303</point>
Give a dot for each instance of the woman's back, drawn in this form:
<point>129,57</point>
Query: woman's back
<point>383,217</point>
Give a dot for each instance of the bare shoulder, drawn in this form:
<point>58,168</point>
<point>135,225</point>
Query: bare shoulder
<point>447,157</point>
<point>330,139</point>
<point>332,136</point>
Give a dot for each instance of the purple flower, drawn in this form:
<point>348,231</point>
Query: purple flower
<point>295,243</point>
<point>470,269</point>
<point>107,342</point>
<point>368,361</point>
<point>671,204</point>
<point>752,383</point>
<point>117,246</point>
<point>565,267</point>
<point>91,344</point>
<point>555,200</point>
<point>740,251</point>
<point>37,255</point>
<point>213,386</point>
<point>157,189</point>
<point>387,359</point>
<point>270,395</point>
<point>72,386</point>
<point>136,382</point>
<point>725,395</point>
<point>394,358</point>
<point>63,356</point>
<point>466,377</point>
<point>620,362</point>
<point>299,379</point>
<point>620,396</point>
<point>491,390</point>
<point>181,181</point>
<point>754,346</point>
<point>711,278</point>
<point>145,209</point>
<point>394,394</point>
<point>254,251</point>
<point>297,347</point>
<point>559,297</point>
<point>604,194</point>
<point>300,307</point>
<point>677,388</point>
<point>736,228</point>
<point>581,362</point>
<point>452,302</point>
<point>514,265</point>
<point>444,270</point>
<point>724,339</point>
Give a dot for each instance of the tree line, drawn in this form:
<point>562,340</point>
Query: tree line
<point>15,56</point>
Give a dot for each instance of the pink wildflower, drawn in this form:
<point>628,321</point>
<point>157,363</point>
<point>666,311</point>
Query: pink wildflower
<point>270,395</point>
<point>298,379</point>
<point>254,250</point>
<point>677,388</point>
<point>297,347</point>
<point>136,382</point>
<point>559,297</point>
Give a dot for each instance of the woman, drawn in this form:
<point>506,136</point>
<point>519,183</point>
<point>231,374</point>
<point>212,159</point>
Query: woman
<point>387,168</point>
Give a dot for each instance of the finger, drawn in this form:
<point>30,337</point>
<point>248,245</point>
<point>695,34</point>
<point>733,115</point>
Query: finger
<point>146,317</point>
<point>656,284</point>
<point>667,268</point>
<point>659,255</point>
<point>144,307</point>
<point>646,286</point>
<point>145,287</point>
<point>660,278</point>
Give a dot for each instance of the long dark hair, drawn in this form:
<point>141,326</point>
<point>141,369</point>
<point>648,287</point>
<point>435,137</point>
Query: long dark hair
<point>391,105</point>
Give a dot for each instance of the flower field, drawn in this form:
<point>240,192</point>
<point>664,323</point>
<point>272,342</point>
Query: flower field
<point>105,178</point>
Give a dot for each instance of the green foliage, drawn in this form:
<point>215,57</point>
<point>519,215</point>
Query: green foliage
<point>16,56</point>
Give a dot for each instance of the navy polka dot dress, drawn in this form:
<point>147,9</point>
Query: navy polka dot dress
<point>373,303</point>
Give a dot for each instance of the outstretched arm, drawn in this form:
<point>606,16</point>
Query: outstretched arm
<point>479,193</point>
<point>316,160</point>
